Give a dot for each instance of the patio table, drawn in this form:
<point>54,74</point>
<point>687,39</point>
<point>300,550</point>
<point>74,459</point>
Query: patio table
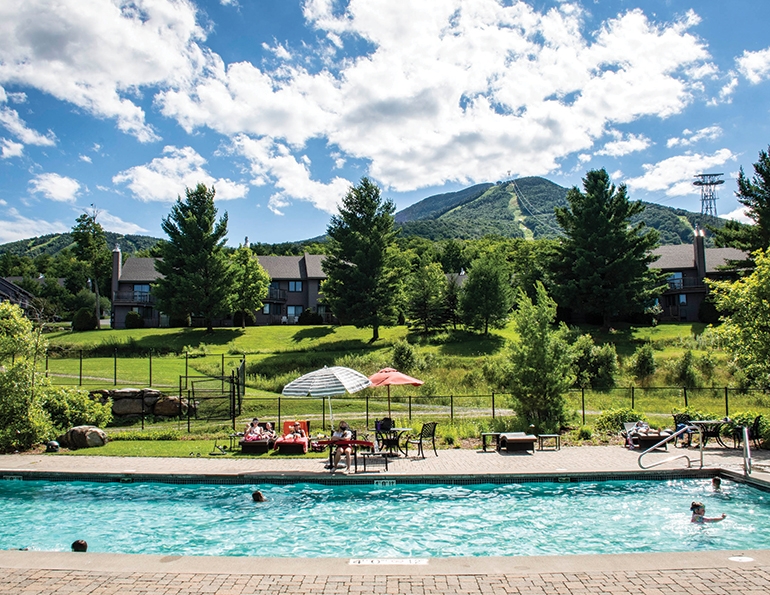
<point>390,440</point>
<point>711,428</point>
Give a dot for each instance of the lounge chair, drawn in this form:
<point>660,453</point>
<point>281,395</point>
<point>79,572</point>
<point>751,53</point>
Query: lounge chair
<point>260,446</point>
<point>291,445</point>
<point>643,437</point>
<point>516,441</point>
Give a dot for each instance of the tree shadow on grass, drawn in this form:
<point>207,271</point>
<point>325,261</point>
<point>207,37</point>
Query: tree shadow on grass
<point>471,344</point>
<point>190,337</point>
<point>313,332</point>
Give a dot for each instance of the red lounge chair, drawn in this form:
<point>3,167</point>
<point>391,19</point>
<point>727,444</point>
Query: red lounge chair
<point>294,446</point>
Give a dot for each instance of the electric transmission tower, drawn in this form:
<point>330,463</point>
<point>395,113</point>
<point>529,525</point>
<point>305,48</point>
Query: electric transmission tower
<point>708,193</point>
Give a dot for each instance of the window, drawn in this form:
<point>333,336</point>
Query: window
<point>266,309</point>
<point>293,310</point>
<point>675,281</point>
<point>682,299</point>
<point>144,287</point>
<point>295,285</point>
<point>143,311</point>
<point>275,285</point>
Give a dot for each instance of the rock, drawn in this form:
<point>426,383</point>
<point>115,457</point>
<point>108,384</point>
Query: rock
<point>124,407</point>
<point>169,407</point>
<point>83,437</point>
<point>126,393</point>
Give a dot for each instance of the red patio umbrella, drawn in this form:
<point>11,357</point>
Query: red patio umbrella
<point>388,376</point>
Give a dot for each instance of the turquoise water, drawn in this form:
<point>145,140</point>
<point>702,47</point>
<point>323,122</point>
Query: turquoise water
<point>311,520</point>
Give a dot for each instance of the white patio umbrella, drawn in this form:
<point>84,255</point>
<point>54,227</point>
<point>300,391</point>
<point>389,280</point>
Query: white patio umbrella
<point>327,382</point>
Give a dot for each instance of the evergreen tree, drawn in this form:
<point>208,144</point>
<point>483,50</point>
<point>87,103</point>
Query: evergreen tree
<point>363,284</point>
<point>541,371</point>
<point>426,296</point>
<point>600,267</point>
<point>198,278</point>
<point>754,194</point>
<point>486,296</point>
<point>91,248</point>
<point>251,283</point>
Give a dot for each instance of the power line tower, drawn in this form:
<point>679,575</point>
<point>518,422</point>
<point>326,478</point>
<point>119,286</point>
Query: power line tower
<point>708,192</point>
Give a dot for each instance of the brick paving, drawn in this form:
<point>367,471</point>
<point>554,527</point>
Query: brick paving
<point>689,573</point>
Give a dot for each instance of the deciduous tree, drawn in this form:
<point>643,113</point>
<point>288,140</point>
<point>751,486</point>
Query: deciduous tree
<point>363,282</point>
<point>91,247</point>
<point>197,274</point>
<point>425,296</point>
<point>486,296</point>
<point>251,282</point>
<point>601,265</point>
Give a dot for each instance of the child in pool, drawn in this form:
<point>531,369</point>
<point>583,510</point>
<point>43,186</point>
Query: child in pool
<point>698,514</point>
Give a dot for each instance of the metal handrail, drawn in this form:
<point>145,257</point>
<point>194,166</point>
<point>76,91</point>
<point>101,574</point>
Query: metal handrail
<point>667,439</point>
<point>746,452</point>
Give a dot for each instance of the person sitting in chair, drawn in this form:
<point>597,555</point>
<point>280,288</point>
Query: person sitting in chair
<point>268,431</point>
<point>253,431</point>
<point>296,432</point>
<point>343,433</point>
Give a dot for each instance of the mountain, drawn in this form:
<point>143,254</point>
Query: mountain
<point>524,208</point>
<point>54,243</point>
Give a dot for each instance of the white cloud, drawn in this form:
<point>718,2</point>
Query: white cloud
<point>16,227</point>
<point>453,90</point>
<point>755,66</point>
<point>674,176</point>
<point>690,138</point>
<point>112,223</point>
<point>10,149</point>
<point>623,146</point>
<point>274,163</point>
<point>55,187</point>
<point>165,178</point>
<point>739,215</point>
<point>98,55</point>
<point>85,158</point>
<point>16,126</point>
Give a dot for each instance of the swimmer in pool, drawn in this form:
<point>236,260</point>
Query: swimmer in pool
<point>699,512</point>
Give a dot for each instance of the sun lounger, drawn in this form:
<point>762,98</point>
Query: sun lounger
<point>259,446</point>
<point>292,445</point>
<point>517,441</point>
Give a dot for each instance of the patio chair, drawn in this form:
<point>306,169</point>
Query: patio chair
<point>754,433</point>
<point>428,432</point>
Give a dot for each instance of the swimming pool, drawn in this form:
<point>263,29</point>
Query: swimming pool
<point>410,521</point>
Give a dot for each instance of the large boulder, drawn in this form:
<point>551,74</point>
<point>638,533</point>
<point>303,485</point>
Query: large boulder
<point>170,407</point>
<point>83,437</point>
<point>123,407</point>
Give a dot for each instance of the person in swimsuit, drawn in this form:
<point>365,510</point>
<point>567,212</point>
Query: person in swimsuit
<point>343,433</point>
<point>699,512</point>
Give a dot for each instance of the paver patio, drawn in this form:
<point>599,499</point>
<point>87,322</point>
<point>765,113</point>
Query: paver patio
<point>702,573</point>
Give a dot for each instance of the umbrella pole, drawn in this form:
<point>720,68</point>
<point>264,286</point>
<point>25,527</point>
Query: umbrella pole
<point>331,415</point>
<point>389,414</point>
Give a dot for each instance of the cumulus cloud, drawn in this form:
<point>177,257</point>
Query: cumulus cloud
<point>16,227</point>
<point>98,54</point>
<point>112,223</point>
<point>739,215</point>
<point>473,88</point>
<point>755,66</point>
<point>55,187</point>
<point>674,176</point>
<point>623,146</point>
<point>165,178</point>
<point>274,163</point>
<point>689,137</point>
<point>15,125</point>
<point>10,149</point>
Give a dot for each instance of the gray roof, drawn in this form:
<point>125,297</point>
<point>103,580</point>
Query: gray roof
<point>682,256</point>
<point>138,270</point>
<point>307,266</point>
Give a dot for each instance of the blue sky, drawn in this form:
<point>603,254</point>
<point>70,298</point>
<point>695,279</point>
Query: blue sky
<point>283,105</point>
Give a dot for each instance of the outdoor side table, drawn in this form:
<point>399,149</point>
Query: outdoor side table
<point>542,438</point>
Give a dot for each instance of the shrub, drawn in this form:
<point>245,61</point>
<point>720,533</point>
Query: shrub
<point>595,365</point>
<point>584,433</point>
<point>84,320</point>
<point>310,317</point>
<point>69,407</point>
<point>145,435</point>
<point>612,420</point>
<point>134,320</point>
<point>682,372</point>
<point>643,363</point>
<point>404,356</point>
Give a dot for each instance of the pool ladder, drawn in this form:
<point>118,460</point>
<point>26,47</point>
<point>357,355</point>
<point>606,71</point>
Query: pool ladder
<point>675,435</point>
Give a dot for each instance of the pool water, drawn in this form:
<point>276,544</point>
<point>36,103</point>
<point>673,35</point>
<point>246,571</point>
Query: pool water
<point>311,520</point>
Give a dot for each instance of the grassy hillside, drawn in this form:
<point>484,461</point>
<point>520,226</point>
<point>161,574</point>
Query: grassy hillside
<point>54,243</point>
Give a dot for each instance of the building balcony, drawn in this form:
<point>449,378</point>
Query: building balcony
<point>685,283</point>
<point>275,295</point>
<point>133,298</point>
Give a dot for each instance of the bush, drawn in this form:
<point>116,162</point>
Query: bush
<point>404,356</point>
<point>612,420</point>
<point>682,372</point>
<point>69,407</point>
<point>145,435</point>
<point>134,320</point>
<point>309,317</point>
<point>643,363</point>
<point>584,433</point>
<point>84,320</point>
<point>595,365</point>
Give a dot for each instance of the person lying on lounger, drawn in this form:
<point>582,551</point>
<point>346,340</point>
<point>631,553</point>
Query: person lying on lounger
<point>296,432</point>
<point>253,431</point>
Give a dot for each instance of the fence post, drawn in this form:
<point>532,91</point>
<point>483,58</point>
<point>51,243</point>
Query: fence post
<point>684,389</point>
<point>150,368</point>
<point>80,376</point>
<point>279,416</point>
<point>143,411</point>
<point>222,374</point>
<point>632,396</point>
<point>189,409</point>
<point>232,396</point>
<point>452,407</point>
<point>186,360</point>
<point>410,406</point>
<point>583,402</point>
<point>115,367</point>
<point>727,404</point>
<point>367,411</point>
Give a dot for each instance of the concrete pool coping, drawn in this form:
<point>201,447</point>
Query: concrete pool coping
<point>703,572</point>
